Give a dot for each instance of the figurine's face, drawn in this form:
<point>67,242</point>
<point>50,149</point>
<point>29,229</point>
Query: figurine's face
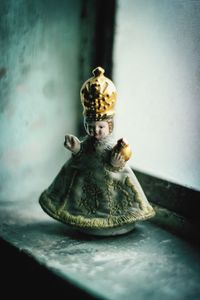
<point>98,129</point>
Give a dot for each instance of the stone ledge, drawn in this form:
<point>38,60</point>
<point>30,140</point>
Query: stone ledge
<point>149,262</point>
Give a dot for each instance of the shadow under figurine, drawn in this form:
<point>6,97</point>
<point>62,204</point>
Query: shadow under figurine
<point>95,192</point>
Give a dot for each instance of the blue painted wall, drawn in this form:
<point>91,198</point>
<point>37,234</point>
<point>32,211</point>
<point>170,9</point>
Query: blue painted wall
<point>39,90</point>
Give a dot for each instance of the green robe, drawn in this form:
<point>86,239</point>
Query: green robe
<point>89,192</point>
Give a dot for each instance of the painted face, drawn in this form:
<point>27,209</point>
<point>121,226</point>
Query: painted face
<point>99,129</point>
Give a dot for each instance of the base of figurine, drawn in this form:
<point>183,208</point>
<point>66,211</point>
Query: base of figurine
<point>108,231</point>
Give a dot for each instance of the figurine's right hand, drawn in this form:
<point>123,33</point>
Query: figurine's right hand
<point>72,143</point>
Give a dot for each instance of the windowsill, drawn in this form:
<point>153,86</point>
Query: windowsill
<point>148,262</point>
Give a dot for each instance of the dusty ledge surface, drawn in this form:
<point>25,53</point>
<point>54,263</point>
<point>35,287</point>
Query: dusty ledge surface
<point>147,263</point>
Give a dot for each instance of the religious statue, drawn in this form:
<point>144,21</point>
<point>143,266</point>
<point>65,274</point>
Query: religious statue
<point>95,192</point>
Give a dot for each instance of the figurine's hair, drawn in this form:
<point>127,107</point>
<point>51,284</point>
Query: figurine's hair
<point>111,125</point>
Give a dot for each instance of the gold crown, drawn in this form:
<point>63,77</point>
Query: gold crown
<point>98,96</point>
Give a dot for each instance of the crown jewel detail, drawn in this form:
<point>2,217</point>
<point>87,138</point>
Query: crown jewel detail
<point>98,96</point>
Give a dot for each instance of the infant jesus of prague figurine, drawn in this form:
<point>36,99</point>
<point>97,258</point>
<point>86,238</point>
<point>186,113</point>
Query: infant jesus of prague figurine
<point>95,192</point>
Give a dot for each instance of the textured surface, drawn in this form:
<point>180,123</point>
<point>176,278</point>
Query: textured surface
<point>39,91</point>
<point>146,263</point>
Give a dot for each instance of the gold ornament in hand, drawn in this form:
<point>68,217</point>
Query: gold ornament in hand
<point>122,147</point>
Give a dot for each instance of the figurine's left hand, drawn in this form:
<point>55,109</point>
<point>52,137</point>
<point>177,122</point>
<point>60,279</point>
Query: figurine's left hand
<point>117,160</point>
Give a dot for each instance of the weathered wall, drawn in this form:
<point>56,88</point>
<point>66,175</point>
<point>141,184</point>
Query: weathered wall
<point>157,62</point>
<point>39,88</point>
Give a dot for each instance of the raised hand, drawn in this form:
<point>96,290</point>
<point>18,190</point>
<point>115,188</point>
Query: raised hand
<point>72,143</point>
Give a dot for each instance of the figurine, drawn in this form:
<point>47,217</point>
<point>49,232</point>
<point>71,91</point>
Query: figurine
<point>95,192</point>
